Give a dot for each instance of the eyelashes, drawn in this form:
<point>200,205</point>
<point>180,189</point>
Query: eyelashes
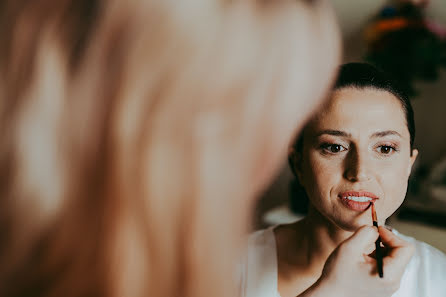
<point>332,148</point>
<point>387,149</point>
<point>336,149</point>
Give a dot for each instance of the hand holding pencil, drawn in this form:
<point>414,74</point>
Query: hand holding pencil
<point>353,272</point>
<point>378,250</point>
<point>398,251</point>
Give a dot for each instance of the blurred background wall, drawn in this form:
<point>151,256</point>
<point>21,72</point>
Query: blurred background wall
<point>429,107</point>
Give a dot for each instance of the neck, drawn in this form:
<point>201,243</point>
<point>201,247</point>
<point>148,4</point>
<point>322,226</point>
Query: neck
<point>320,237</point>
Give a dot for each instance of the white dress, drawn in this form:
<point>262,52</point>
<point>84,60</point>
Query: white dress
<point>425,275</point>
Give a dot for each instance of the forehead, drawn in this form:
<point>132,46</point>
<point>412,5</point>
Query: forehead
<point>361,110</point>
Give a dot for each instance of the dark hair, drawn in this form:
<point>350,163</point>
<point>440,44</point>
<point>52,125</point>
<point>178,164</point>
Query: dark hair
<point>360,76</point>
<point>363,75</point>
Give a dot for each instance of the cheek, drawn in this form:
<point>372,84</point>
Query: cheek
<point>321,177</point>
<point>394,184</point>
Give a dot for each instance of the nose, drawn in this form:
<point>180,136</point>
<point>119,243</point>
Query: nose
<point>357,166</point>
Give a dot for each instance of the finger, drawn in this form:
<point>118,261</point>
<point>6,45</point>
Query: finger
<point>399,253</point>
<point>370,249</point>
<point>395,246</point>
<point>395,265</point>
<point>389,239</point>
<point>362,240</point>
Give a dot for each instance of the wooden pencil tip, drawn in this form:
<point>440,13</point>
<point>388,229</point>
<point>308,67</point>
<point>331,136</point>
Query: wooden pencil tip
<point>374,217</point>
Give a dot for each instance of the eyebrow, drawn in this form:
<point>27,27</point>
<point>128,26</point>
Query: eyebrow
<point>334,133</point>
<point>345,134</point>
<point>385,133</point>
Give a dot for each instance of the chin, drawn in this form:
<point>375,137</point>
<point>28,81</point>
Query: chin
<point>352,225</point>
<point>346,221</point>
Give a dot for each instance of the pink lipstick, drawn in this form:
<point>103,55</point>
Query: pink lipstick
<point>357,200</point>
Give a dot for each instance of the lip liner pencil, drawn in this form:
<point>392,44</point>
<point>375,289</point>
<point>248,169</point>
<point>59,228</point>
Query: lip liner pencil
<point>378,252</point>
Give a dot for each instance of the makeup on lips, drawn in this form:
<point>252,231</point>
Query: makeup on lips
<point>357,200</point>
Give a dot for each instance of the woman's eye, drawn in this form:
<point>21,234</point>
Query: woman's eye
<point>333,148</point>
<point>386,149</point>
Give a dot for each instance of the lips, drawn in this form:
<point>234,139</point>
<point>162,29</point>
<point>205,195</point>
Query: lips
<point>357,200</point>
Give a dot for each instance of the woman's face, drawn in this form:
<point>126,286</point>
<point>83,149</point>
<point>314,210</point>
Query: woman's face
<point>357,150</point>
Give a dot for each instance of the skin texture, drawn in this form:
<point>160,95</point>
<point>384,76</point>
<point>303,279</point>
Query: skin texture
<point>361,160</point>
<point>343,152</point>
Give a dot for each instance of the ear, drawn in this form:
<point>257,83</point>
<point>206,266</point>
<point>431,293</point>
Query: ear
<point>412,160</point>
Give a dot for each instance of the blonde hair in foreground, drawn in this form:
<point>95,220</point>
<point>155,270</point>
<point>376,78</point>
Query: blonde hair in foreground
<point>131,134</point>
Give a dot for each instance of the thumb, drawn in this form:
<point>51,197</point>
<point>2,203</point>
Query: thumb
<point>399,251</point>
<point>361,240</point>
<point>390,239</point>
